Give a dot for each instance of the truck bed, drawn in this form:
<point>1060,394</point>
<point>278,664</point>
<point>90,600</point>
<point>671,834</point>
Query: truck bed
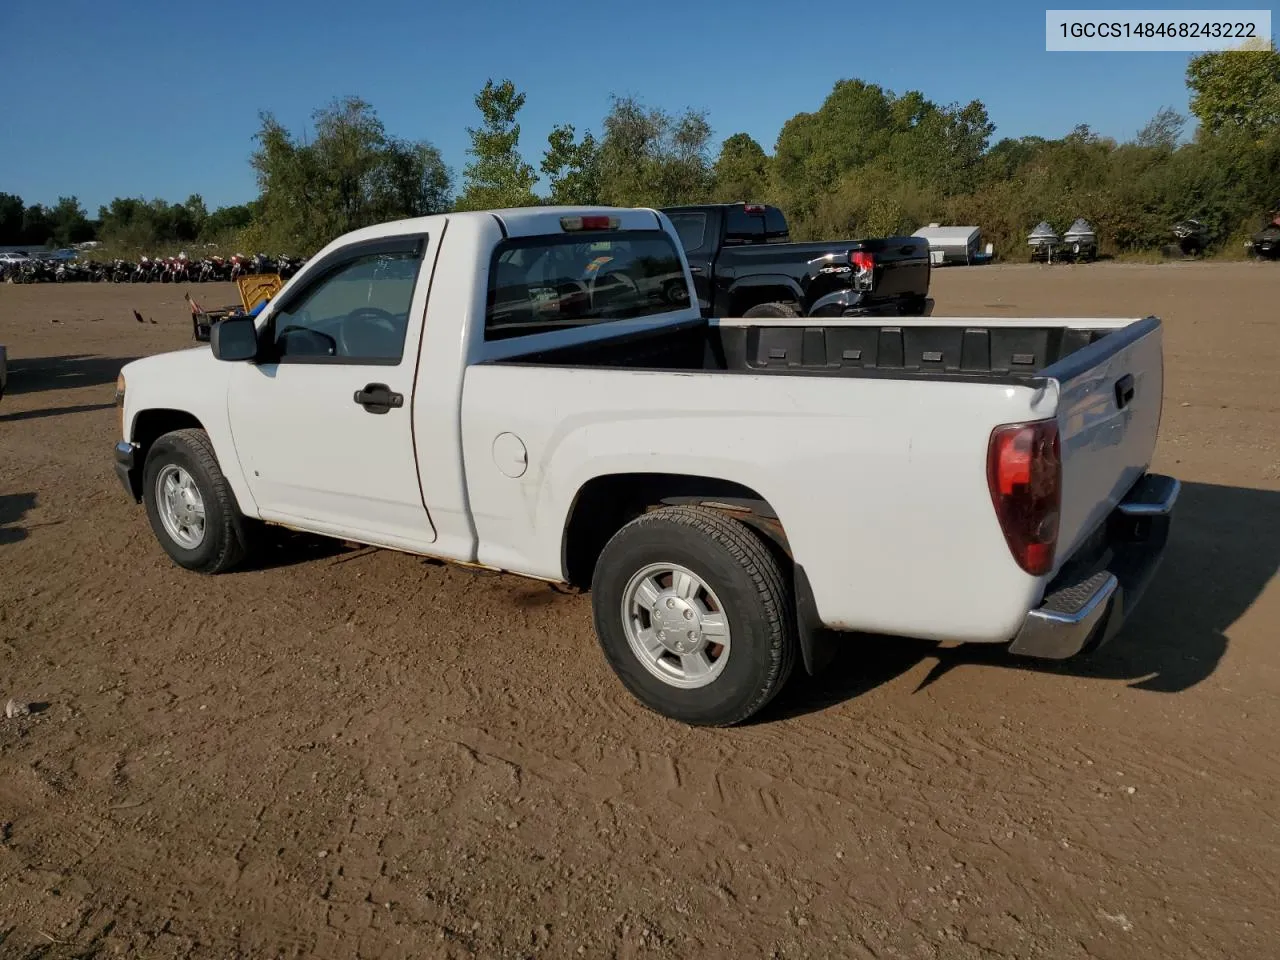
<point>1101,379</point>
<point>965,348</point>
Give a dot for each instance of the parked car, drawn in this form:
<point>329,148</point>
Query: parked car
<point>452,387</point>
<point>1265,244</point>
<point>14,257</point>
<point>744,266</point>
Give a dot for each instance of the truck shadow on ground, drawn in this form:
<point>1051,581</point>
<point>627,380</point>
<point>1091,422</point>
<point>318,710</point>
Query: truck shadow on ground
<point>1223,550</point>
<point>276,547</point>
<point>13,507</point>
<point>36,374</point>
<point>53,412</point>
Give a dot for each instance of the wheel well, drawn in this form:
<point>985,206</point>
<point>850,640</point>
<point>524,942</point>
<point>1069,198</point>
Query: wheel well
<point>744,298</point>
<point>148,427</point>
<point>606,504</point>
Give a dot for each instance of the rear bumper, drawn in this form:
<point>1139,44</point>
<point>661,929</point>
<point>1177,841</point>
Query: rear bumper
<point>854,303</point>
<point>1091,597</point>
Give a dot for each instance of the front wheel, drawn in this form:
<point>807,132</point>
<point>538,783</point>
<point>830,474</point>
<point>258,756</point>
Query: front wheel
<point>192,510</point>
<point>694,615</point>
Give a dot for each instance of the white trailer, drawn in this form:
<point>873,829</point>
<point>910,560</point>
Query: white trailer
<point>954,244</point>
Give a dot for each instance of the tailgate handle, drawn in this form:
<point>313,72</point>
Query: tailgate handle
<point>1124,391</point>
<point>908,250</point>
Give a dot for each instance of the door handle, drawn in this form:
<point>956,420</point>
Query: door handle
<point>378,398</point>
<point>1124,391</point>
<point>695,270</point>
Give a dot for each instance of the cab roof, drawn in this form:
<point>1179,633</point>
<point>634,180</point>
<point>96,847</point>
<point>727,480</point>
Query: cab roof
<point>515,221</point>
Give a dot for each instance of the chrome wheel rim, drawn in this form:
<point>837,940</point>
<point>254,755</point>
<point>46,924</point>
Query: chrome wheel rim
<point>180,506</point>
<point>676,625</point>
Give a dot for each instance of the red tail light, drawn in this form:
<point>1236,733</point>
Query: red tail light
<point>864,269</point>
<point>1024,474</point>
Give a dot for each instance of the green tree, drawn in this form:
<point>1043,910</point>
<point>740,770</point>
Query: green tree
<point>351,175</point>
<point>1162,131</point>
<point>937,146</point>
<point>68,222</point>
<point>572,167</point>
<point>224,221</point>
<point>651,158</point>
<point>197,214</point>
<point>741,172</point>
<point>815,150</point>
<point>862,126</point>
<point>11,212</point>
<point>37,230</point>
<point>1007,156</point>
<point>1236,90</point>
<point>497,176</point>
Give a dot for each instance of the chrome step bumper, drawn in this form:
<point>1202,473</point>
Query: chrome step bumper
<point>1092,596</point>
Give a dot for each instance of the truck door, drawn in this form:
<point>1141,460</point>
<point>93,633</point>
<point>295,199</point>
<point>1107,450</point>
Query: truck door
<point>322,424</point>
<point>696,229</point>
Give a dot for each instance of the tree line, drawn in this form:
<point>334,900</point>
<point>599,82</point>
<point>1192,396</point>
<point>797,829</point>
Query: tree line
<point>128,222</point>
<point>867,162</point>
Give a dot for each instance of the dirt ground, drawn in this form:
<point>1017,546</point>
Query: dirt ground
<point>351,753</point>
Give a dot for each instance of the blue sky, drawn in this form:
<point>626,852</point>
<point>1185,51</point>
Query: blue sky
<point>140,98</point>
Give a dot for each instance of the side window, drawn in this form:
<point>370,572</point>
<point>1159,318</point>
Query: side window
<point>691,228</point>
<point>357,313</point>
<point>775,226</point>
<point>743,227</point>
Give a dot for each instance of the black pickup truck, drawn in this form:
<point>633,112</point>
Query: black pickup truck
<point>744,266</point>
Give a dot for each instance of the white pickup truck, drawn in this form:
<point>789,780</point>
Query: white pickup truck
<point>534,391</point>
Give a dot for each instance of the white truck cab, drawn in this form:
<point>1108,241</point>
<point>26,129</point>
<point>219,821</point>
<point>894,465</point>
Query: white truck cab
<point>534,391</point>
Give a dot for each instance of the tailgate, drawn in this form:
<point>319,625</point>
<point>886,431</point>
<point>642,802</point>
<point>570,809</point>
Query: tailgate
<point>902,266</point>
<point>1108,416</point>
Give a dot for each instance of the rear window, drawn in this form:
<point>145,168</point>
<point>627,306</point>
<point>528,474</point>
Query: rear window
<point>571,280</point>
<point>743,227</point>
<point>691,228</point>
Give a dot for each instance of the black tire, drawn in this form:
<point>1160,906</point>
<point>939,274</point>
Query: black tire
<point>772,310</point>
<point>224,541</point>
<point>751,586</point>
<point>914,306</point>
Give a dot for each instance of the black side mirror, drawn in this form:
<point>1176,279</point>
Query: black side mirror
<point>234,339</point>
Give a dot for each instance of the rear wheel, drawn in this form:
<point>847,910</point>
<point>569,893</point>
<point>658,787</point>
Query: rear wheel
<point>192,510</point>
<point>772,310</point>
<point>695,615</point>
<point>914,306</point>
